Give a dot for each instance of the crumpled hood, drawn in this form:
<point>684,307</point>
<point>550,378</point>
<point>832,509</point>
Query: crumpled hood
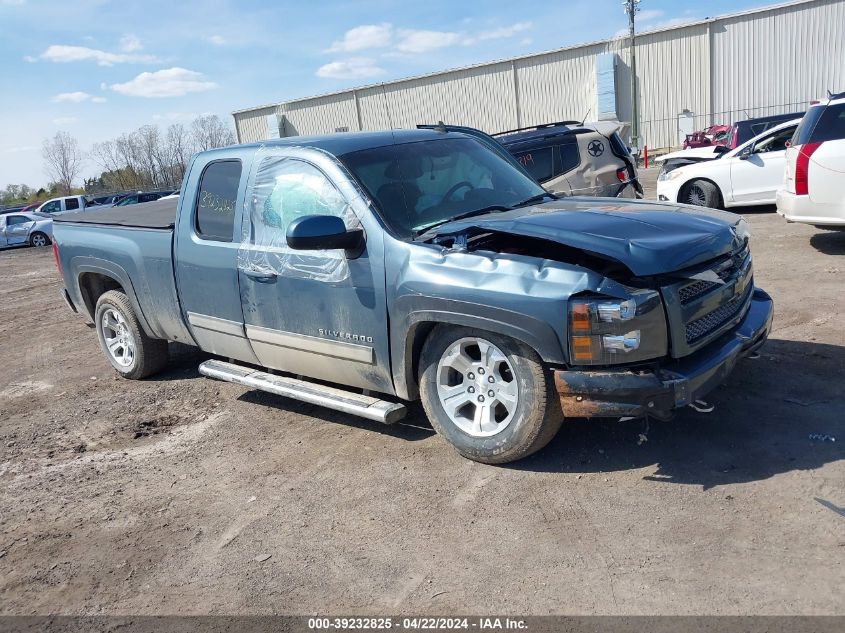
<point>649,238</point>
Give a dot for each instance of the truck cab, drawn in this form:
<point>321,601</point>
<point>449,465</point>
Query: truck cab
<point>66,204</point>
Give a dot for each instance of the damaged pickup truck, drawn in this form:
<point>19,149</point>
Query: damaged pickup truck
<point>358,271</point>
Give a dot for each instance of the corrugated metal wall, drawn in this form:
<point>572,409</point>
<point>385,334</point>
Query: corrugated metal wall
<point>762,62</point>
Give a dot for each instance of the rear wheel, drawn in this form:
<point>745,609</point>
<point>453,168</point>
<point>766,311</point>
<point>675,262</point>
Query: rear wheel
<point>131,352</point>
<point>39,239</point>
<point>701,193</point>
<point>487,395</point>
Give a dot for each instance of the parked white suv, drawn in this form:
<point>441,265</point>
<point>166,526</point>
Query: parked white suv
<point>814,187</point>
<point>749,175</point>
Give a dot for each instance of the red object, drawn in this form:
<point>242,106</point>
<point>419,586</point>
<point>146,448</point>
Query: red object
<point>645,157</point>
<point>621,174</point>
<point>802,168</point>
<point>56,256</point>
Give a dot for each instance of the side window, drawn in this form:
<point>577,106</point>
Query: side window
<point>71,204</point>
<point>215,217</point>
<point>286,189</point>
<point>52,207</point>
<point>17,219</point>
<point>570,156</point>
<point>775,142</point>
<point>831,125</point>
<point>538,162</point>
<point>149,197</point>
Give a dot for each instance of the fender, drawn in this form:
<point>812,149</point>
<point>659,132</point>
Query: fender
<point>429,311</point>
<point>86,264</point>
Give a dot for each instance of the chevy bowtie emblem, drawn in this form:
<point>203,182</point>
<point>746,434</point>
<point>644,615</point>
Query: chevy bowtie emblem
<point>595,148</point>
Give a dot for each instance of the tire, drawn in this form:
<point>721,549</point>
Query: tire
<point>510,429</point>
<point>702,193</point>
<point>38,239</point>
<point>134,355</point>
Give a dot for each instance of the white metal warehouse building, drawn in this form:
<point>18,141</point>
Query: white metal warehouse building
<point>772,60</point>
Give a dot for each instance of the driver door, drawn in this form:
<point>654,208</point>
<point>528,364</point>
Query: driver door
<point>320,314</point>
<point>758,174</point>
<point>17,229</point>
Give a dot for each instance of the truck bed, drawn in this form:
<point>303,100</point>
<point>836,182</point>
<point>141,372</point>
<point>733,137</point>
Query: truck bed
<point>159,214</point>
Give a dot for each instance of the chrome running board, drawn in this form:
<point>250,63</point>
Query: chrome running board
<point>310,392</point>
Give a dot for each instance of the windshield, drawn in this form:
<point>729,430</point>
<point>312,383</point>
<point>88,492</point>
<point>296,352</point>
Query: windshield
<point>417,185</point>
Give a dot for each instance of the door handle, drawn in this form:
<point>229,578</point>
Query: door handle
<point>260,276</point>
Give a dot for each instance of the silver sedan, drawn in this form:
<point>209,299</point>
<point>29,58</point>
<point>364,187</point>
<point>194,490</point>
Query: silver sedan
<point>18,229</point>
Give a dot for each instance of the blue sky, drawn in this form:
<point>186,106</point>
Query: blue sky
<point>99,68</point>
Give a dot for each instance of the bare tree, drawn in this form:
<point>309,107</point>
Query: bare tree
<point>62,160</point>
<point>210,131</point>
<point>178,149</point>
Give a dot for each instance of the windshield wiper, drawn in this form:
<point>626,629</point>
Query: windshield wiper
<point>495,208</point>
<point>538,198</point>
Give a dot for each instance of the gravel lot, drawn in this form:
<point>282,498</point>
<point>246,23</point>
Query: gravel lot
<point>184,495</point>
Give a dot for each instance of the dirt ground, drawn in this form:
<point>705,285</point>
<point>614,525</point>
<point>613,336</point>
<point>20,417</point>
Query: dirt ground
<point>184,495</point>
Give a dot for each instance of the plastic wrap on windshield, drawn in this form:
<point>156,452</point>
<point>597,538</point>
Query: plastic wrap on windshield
<point>282,190</point>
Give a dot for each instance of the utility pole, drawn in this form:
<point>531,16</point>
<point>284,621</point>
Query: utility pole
<point>631,8</point>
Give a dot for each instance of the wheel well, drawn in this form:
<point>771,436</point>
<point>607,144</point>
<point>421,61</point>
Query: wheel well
<point>92,286</point>
<point>414,342</point>
<point>687,184</point>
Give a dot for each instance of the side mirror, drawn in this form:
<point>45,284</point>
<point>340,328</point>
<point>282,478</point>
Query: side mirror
<point>746,153</point>
<point>323,232</point>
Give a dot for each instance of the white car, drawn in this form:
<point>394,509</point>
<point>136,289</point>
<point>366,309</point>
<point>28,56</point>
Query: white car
<point>17,229</point>
<point>814,187</point>
<point>749,175</point>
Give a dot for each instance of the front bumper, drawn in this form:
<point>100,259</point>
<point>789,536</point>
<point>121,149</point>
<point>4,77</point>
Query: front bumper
<point>625,393</point>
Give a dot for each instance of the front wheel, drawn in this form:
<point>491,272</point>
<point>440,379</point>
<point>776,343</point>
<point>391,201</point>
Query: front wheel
<point>131,352</point>
<point>487,395</point>
<point>701,193</point>
<point>38,239</point>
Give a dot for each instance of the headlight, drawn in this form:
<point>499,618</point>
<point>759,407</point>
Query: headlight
<point>607,331</point>
<point>669,175</point>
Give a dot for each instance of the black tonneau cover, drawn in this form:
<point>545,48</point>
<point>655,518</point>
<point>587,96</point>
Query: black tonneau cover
<point>158,214</point>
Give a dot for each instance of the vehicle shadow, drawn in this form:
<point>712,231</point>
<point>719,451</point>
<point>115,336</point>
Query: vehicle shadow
<point>412,428</point>
<point>183,363</point>
<point>776,414</point>
<point>829,242</point>
<point>759,209</point>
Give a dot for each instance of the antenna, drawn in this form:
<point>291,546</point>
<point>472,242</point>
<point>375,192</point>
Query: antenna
<point>584,120</point>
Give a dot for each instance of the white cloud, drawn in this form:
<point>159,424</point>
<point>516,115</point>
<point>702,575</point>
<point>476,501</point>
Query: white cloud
<point>21,148</point>
<point>414,41</point>
<point>170,82</point>
<point>364,37</point>
<point>76,97</point>
<point>352,68</point>
<point>65,120</point>
<point>176,116</point>
<point>649,15</point>
<point>667,24</point>
<point>62,54</point>
<point>505,31</point>
<point>217,40</point>
<point>72,97</point>
<point>130,43</point>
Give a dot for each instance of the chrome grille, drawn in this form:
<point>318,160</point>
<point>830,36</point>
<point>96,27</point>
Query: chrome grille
<point>712,321</point>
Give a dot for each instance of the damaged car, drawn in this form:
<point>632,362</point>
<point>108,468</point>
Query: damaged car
<point>363,271</point>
